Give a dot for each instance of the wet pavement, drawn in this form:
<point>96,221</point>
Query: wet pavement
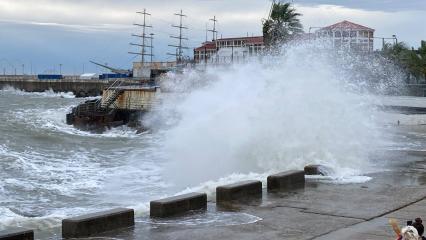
<point>322,210</point>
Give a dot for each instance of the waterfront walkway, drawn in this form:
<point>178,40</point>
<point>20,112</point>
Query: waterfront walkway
<point>322,210</point>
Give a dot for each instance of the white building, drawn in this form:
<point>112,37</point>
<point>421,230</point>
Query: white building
<point>348,35</point>
<point>227,50</point>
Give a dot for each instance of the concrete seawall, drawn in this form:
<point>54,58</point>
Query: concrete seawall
<point>80,87</point>
<point>318,211</point>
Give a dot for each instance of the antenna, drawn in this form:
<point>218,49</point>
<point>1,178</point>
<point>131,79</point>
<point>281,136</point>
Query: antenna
<point>214,32</point>
<point>143,36</point>
<point>179,47</point>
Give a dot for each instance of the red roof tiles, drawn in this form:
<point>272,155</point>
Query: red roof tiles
<point>347,25</point>
<point>206,46</point>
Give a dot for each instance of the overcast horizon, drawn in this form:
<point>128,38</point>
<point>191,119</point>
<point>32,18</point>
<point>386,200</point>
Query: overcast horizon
<point>45,33</point>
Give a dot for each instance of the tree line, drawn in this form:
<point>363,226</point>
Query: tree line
<point>412,61</point>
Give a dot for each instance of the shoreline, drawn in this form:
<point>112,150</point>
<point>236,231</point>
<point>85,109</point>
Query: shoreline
<point>322,210</point>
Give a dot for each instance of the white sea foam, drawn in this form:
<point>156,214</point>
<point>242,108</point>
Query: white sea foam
<point>210,218</point>
<point>54,120</point>
<point>64,178</point>
<point>82,179</point>
<point>48,93</point>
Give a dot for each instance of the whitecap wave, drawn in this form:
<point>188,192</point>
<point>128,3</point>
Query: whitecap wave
<point>48,93</point>
<point>54,120</point>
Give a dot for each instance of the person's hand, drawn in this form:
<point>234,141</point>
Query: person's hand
<point>394,223</point>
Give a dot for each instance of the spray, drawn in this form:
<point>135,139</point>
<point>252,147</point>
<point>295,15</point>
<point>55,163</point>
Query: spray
<point>307,106</point>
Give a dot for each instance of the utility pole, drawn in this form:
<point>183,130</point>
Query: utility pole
<point>23,69</point>
<point>205,47</point>
<point>232,54</point>
<point>207,32</point>
<point>143,36</point>
<point>214,32</point>
<point>179,47</point>
<point>205,55</point>
<point>60,68</point>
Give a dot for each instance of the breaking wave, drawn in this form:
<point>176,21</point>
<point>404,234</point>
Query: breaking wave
<point>308,106</point>
<point>48,93</point>
<point>216,126</point>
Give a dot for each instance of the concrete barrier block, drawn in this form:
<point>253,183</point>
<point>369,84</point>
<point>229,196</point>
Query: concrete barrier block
<point>317,170</point>
<point>95,223</point>
<point>168,207</point>
<point>17,234</point>
<point>240,190</point>
<point>286,180</point>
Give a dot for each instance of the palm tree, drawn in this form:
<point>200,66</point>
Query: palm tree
<point>283,24</point>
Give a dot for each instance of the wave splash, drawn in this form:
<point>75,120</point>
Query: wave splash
<point>308,106</point>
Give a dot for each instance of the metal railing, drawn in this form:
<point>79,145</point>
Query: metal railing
<point>117,83</point>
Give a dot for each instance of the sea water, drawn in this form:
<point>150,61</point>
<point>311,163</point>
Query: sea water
<point>214,126</point>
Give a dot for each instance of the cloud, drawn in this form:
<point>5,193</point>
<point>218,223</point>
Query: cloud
<point>383,5</point>
<point>38,31</point>
<point>73,27</point>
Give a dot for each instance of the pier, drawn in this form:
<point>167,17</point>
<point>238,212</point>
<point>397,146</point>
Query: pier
<point>79,87</point>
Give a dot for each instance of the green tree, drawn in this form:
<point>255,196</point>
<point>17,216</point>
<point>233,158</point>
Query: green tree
<point>283,24</point>
<point>417,61</point>
<point>412,61</point>
<point>395,52</point>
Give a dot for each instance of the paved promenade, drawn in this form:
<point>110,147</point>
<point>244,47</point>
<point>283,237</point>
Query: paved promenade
<point>321,211</point>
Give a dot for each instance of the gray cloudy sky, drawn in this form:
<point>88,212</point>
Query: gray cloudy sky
<point>45,33</point>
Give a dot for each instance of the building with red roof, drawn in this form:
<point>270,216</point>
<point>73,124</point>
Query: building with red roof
<point>226,50</point>
<point>348,35</point>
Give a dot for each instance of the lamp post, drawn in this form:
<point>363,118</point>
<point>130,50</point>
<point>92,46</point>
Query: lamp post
<point>309,32</point>
<point>386,38</point>
<point>396,39</point>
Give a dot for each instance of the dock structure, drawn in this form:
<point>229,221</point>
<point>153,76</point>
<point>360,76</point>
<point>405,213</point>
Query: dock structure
<point>119,105</point>
<point>136,97</point>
